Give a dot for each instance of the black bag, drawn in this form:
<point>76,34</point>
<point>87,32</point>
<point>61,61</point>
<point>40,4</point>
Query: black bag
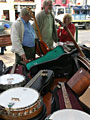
<point>2,67</point>
<point>64,66</point>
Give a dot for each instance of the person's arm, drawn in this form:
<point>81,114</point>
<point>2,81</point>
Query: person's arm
<point>59,33</point>
<point>16,39</point>
<point>55,36</point>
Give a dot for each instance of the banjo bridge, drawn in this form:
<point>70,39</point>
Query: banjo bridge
<point>15,99</point>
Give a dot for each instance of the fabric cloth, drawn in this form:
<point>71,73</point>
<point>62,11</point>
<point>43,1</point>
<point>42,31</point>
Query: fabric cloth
<point>47,28</point>
<point>63,34</point>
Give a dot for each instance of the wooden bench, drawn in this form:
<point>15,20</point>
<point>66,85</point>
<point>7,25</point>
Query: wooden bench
<point>5,40</point>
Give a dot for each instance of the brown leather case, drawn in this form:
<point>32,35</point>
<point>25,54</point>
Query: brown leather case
<point>79,81</point>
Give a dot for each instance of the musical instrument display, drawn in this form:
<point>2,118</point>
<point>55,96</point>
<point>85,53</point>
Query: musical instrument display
<point>28,103</point>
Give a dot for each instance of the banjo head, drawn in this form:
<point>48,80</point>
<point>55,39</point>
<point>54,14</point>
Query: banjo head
<point>69,114</point>
<point>11,80</point>
<point>20,103</point>
<point>19,97</point>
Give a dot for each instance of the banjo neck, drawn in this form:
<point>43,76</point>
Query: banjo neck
<point>38,30</point>
<point>13,69</point>
<point>65,96</point>
<point>85,61</point>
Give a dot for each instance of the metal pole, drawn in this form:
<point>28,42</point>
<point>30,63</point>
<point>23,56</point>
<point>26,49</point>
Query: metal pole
<point>76,33</point>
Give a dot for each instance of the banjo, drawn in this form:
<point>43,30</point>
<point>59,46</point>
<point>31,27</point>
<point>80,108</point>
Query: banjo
<point>20,103</point>
<point>11,80</point>
<point>68,114</point>
<point>41,46</point>
<point>26,104</point>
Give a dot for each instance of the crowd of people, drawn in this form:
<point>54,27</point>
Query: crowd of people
<point>23,33</point>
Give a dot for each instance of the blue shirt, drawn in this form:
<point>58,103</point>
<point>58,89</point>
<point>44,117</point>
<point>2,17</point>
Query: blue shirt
<point>29,35</point>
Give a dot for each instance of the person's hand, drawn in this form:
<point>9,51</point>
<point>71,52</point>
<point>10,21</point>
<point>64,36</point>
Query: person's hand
<point>24,57</point>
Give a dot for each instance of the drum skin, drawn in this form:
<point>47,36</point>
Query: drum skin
<point>11,80</point>
<point>68,114</point>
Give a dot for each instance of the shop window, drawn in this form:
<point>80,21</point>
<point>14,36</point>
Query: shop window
<point>63,1</point>
<point>6,13</point>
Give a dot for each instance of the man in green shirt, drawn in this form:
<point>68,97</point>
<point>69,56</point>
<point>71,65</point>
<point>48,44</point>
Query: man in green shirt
<point>46,23</point>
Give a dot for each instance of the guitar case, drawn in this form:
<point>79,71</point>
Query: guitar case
<point>58,99</point>
<point>41,81</point>
<point>63,64</point>
<point>51,55</point>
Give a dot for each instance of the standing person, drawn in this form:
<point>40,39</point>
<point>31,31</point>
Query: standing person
<point>62,33</point>
<point>7,28</point>
<point>6,31</point>
<point>23,37</point>
<point>46,23</point>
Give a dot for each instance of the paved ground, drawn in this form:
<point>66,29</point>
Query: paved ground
<point>8,57</point>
